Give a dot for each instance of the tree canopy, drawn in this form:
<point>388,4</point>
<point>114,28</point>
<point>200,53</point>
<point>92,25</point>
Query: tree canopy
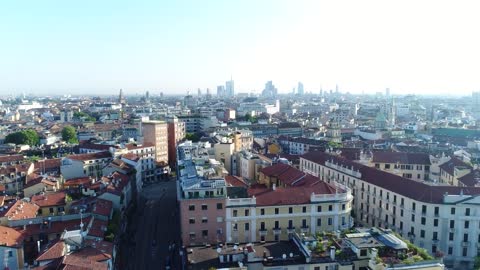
<point>28,136</point>
<point>69,134</point>
<point>192,137</point>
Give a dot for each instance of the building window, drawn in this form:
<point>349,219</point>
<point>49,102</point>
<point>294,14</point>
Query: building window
<point>262,211</point>
<point>422,233</point>
<point>304,209</point>
<point>192,221</point>
<point>452,211</point>
<point>467,224</point>
<point>452,224</point>
<point>319,223</point>
<point>413,206</point>
<point>435,236</point>
<point>219,206</point>
<point>413,218</point>
<point>276,211</point>
<point>247,226</point>
<point>465,237</point>
<point>450,250</point>
<point>204,233</point>
<point>435,222</point>
<point>204,207</point>
<point>51,210</point>
<point>450,237</point>
<point>464,252</point>
<point>235,213</point>
<point>423,220</point>
<point>204,220</point>
<point>262,226</point>
<point>290,210</point>
<point>247,212</point>
<point>343,207</point>
<point>467,212</point>
<point>436,211</point>
<point>330,221</point>
<point>330,207</point>
<point>319,208</point>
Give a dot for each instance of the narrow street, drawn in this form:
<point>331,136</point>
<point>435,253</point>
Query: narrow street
<point>154,229</point>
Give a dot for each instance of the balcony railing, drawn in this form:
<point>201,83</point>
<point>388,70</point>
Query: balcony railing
<point>263,232</point>
<point>465,243</point>
<point>277,230</point>
<point>291,229</point>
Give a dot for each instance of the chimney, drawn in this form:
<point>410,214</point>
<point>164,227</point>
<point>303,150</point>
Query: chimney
<point>332,253</point>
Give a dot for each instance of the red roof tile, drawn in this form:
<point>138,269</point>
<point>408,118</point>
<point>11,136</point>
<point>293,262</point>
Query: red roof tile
<point>50,199</point>
<point>20,210</point>
<point>10,237</point>
<point>450,165</point>
<point>91,156</point>
<point>235,181</point>
<point>11,158</point>
<point>53,251</point>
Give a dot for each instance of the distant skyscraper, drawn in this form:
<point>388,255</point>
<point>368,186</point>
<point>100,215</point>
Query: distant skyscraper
<point>220,90</point>
<point>387,92</point>
<point>199,92</point>
<point>269,90</point>
<point>121,99</point>
<point>300,90</point>
<point>147,95</point>
<point>229,88</point>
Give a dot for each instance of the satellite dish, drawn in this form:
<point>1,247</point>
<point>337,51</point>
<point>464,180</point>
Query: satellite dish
<point>219,250</point>
<point>235,247</point>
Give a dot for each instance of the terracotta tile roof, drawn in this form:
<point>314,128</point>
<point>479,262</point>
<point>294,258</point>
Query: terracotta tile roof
<point>98,228</point>
<point>401,157</point>
<point>20,210</point>
<point>56,227</point>
<point>50,199</point>
<point>94,146</point>
<point>132,146</point>
<point>290,195</point>
<point>85,181</point>
<point>116,182</point>
<point>235,181</point>
<point>48,164</point>
<point>406,187</point>
<point>11,158</point>
<point>10,237</point>
<point>471,179</point>
<point>131,156</point>
<point>91,156</point>
<point>102,207</point>
<point>450,165</point>
<point>283,172</point>
<point>54,250</point>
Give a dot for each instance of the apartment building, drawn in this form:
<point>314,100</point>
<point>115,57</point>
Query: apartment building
<point>435,217</point>
<point>284,201</point>
<point>299,145</point>
<point>82,165</point>
<point>201,193</point>
<point>414,166</point>
<point>452,170</point>
<point>155,133</point>
<point>176,133</point>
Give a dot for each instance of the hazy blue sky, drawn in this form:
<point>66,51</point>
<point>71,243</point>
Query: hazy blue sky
<point>100,46</point>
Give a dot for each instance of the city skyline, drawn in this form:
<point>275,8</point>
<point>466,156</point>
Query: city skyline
<point>72,48</point>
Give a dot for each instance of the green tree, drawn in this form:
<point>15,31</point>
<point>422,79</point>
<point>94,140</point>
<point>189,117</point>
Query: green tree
<point>192,137</point>
<point>28,136</point>
<point>69,134</point>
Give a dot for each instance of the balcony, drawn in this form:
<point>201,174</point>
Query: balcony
<point>465,243</point>
<point>304,229</point>
<point>263,232</point>
<point>435,241</point>
<point>291,229</point>
<point>277,231</point>
<point>424,214</point>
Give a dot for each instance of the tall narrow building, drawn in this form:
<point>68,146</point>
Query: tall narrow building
<point>229,88</point>
<point>176,133</point>
<point>300,90</point>
<point>155,132</point>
